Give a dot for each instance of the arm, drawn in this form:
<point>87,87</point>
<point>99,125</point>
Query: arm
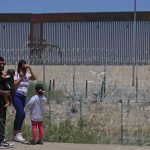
<point>33,76</point>
<point>17,80</point>
<point>30,103</point>
<point>44,99</point>
<point>5,93</point>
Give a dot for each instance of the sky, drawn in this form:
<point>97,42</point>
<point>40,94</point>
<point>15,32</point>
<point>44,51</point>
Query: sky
<point>70,6</point>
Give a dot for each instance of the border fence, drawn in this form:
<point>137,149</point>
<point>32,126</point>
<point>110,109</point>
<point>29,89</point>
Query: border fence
<point>76,38</point>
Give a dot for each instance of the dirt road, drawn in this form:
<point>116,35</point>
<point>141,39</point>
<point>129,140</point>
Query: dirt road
<point>66,146</point>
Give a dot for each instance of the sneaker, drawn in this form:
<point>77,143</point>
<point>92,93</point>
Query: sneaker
<point>19,138</point>
<point>5,145</point>
<point>32,142</point>
<point>11,145</point>
<point>39,142</point>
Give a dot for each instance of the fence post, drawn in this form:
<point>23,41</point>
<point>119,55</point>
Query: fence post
<point>53,89</point>
<point>81,117</point>
<point>121,127</point>
<point>136,88</point>
<point>103,88</point>
<point>44,73</point>
<point>49,102</point>
<point>73,80</point>
<point>53,84</point>
<point>49,87</point>
<point>86,87</point>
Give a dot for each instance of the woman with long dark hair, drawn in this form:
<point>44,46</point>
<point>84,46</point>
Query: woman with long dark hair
<point>21,81</point>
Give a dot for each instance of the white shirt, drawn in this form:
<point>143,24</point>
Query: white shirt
<point>23,86</point>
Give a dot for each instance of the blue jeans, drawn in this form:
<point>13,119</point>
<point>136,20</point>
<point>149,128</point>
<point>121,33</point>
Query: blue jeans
<point>18,102</point>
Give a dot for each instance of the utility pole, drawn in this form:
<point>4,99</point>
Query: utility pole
<point>134,45</point>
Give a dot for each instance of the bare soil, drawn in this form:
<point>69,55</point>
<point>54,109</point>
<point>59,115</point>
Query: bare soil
<point>69,146</point>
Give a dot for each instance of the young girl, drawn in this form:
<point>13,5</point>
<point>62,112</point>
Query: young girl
<point>36,107</point>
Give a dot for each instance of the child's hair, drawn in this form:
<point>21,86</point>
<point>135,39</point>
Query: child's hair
<point>39,89</point>
<point>10,72</point>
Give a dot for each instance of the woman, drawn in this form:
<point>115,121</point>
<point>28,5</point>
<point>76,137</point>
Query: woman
<point>21,82</point>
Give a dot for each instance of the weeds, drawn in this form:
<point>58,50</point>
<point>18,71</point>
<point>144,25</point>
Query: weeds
<point>100,123</point>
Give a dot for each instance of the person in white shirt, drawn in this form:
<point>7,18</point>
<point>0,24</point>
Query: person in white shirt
<point>21,81</point>
<point>36,107</point>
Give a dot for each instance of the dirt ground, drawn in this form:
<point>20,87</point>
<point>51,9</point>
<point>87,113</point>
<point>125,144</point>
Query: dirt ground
<point>68,146</point>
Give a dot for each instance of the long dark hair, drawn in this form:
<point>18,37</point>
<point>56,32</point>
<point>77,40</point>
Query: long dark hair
<point>2,67</point>
<point>1,58</point>
<point>20,64</point>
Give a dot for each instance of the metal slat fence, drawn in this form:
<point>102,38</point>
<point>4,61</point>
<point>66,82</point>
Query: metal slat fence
<point>76,42</point>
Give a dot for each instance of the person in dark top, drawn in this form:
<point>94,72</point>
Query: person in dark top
<point>3,143</point>
<point>9,86</point>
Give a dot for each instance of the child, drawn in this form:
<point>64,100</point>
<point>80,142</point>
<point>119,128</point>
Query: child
<point>9,86</point>
<point>36,107</point>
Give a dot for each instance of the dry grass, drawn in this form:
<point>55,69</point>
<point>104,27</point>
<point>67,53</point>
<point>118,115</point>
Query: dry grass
<point>119,74</point>
<point>105,116</point>
<point>105,119</point>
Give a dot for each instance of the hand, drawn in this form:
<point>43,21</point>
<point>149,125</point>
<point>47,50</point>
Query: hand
<point>21,74</point>
<point>3,76</point>
<point>7,104</point>
<point>26,66</point>
<point>21,77</point>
